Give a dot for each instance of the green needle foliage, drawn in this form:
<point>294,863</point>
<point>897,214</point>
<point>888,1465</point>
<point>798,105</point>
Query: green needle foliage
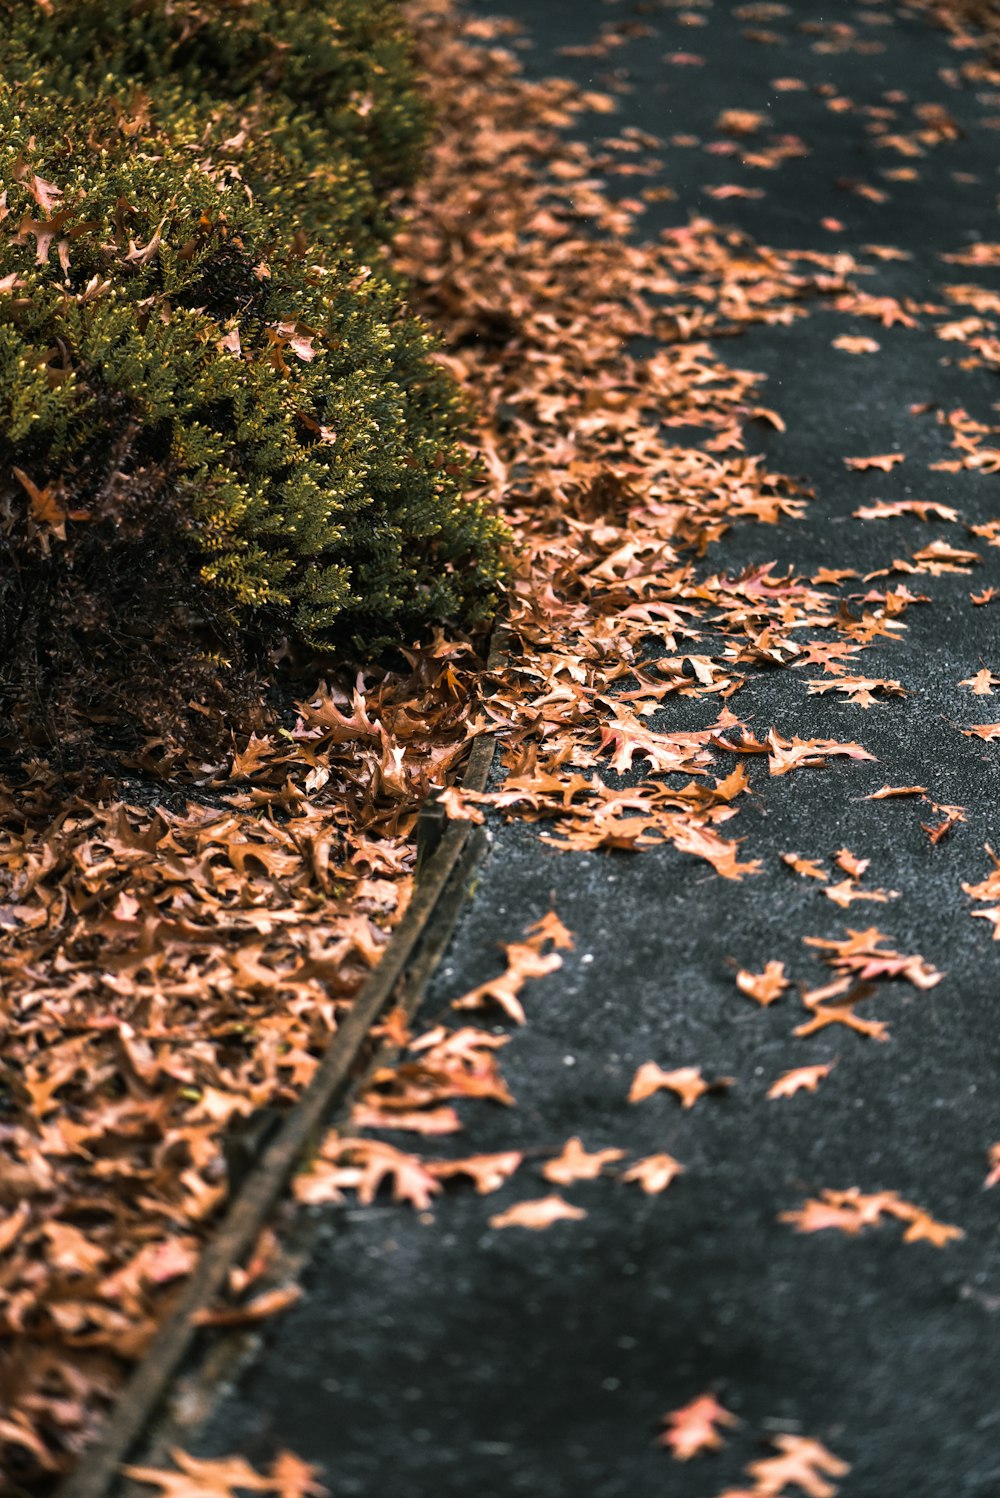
<point>218,424</point>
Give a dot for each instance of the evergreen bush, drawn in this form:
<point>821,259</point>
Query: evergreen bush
<point>217,425</point>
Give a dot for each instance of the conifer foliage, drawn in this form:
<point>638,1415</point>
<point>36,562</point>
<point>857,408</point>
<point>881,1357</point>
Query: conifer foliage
<point>218,423</point>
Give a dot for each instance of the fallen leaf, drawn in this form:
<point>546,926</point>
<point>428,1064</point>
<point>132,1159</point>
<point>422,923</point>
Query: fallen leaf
<point>851,1210</point>
<point>993,1179</point>
<point>809,868</point>
<point>882,461</point>
<point>200,1478</point>
<point>575,1164</point>
<point>764,987</point>
<point>848,344</point>
<point>888,791</point>
<point>259,1308</point>
<point>537,1215</point>
<point>486,1172</point>
<point>801,1078</point>
<point>982,683</point>
<point>693,1429</point>
<point>654,1173</point>
<point>686,1082</point>
<point>801,1463</point>
<point>524,961</point>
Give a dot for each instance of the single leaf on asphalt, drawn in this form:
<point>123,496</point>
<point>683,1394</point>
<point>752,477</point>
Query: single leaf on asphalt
<point>294,1478</point>
<point>848,344</point>
<point>950,817</point>
<point>863,691</point>
<point>887,792</point>
<point>686,1082</point>
<point>549,928</point>
<point>850,863</point>
<point>808,868</point>
<point>524,961</point>
<point>654,1173</point>
<point>847,891</point>
<point>199,1478</point>
<point>988,731</point>
<point>924,1229</point>
<point>882,461</point>
<point>842,1014</point>
<point>764,987</point>
<point>993,1179</point>
<point>538,1214</point>
<point>267,1303</point>
<point>982,683</point>
<point>801,1463</point>
<point>923,509</point>
<point>693,1429</point>
<point>575,1164</point>
<point>486,1172</point>
<point>801,1078</point>
<point>798,754</point>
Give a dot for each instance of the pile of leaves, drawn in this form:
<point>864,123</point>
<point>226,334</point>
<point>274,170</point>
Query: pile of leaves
<point>220,427</point>
<point>973,24</point>
<point>168,969</point>
<point>617,606</point>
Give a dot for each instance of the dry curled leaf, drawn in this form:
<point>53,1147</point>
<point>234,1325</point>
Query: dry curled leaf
<point>575,1164</point>
<point>686,1082</point>
<point>765,987</point>
<point>847,343</point>
<point>808,868</point>
<point>801,1463</point>
<point>224,1477</point>
<point>364,1166</point>
<point>654,1173</point>
<point>538,1214</point>
<point>694,1428</point>
<point>883,461</point>
<point>993,1178</point>
<point>801,1078</point>
<point>486,1172</point>
<point>524,961</point>
<point>850,1211</point>
<point>888,792</point>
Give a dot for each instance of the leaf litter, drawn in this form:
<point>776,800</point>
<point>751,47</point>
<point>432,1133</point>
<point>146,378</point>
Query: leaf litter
<point>171,968</point>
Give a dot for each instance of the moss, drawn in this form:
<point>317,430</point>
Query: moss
<point>196,382</point>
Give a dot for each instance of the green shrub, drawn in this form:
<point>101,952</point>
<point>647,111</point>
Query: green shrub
<point>215,429</point>
<point>314,101</point>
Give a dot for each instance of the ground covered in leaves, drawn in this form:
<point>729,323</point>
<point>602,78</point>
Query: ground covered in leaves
<point>727,293</point>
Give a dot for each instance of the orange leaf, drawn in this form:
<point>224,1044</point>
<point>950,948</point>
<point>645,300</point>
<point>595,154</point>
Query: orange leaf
<point>802,1077</point>
<point>692,1429</point>
<point>575,1164</point>
<point>686,1082</point>
<point>537,1215</point>
<point>654,1173</point>
<point>765,987</point>
<point>802,1463</point>
<point>486,1172</point>
<point>882,461</point>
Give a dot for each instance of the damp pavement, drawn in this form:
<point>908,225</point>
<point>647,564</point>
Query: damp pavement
<point>433,1355</point>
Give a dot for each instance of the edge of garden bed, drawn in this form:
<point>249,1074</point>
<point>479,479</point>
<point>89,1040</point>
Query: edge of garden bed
<point>410,958</point>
